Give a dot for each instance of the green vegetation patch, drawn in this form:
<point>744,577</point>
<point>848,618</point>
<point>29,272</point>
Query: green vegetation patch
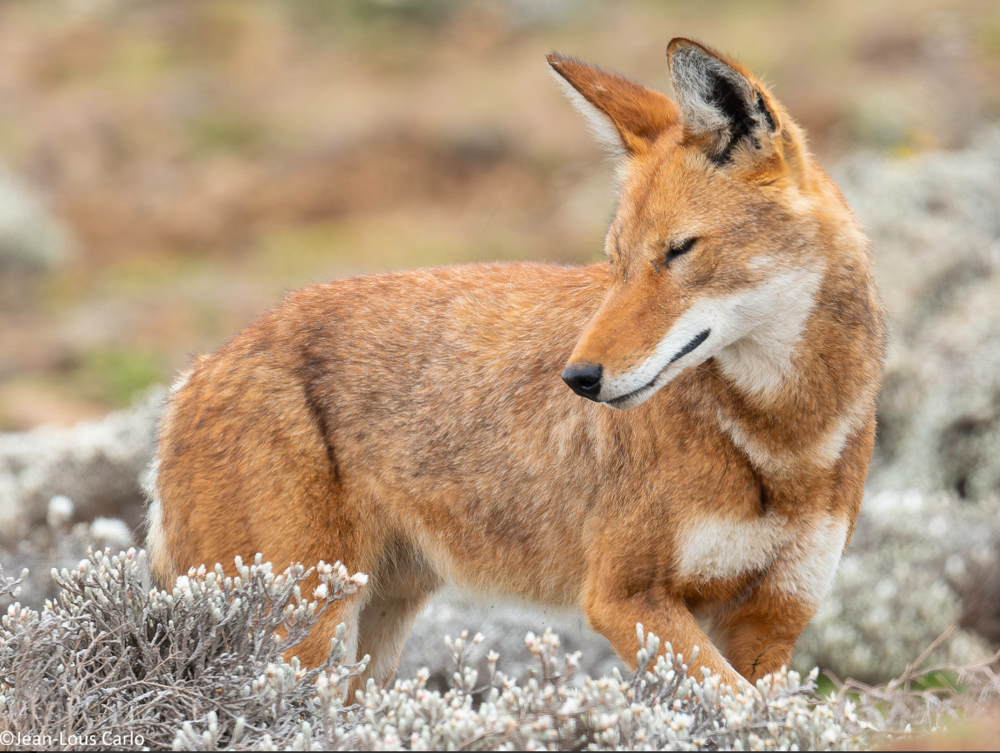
<point>114,375</point>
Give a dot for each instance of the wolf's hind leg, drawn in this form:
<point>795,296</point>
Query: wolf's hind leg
<point>400,589</point>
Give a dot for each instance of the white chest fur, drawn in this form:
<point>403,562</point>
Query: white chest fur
<point>721,548</point>
<point>798,559</point>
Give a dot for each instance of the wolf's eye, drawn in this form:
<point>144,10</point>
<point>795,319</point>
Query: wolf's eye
<point>678,248</point>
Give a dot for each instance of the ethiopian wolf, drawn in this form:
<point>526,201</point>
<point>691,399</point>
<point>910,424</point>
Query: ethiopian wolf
<point>704,467</point>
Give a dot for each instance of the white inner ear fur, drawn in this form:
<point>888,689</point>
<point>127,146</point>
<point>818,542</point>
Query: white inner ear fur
<point>694,74</point>
<point>753,333</point>
<point>600,125</point>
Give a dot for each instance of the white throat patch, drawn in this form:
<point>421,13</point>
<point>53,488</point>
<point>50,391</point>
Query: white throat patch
<point>761,360</point>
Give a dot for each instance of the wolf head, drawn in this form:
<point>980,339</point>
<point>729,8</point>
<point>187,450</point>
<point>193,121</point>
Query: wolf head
<point>724,234</point>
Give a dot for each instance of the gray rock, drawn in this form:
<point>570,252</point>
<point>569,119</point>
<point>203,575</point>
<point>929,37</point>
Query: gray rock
<point>96,464</point>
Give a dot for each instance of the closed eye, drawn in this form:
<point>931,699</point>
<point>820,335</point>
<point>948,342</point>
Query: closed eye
<point>678,248</point>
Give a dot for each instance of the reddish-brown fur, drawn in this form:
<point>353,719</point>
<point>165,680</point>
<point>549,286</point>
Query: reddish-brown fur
<point>414,426</point>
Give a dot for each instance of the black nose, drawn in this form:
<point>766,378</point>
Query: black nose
<point>584,379</point>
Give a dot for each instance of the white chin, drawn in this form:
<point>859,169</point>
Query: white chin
<point>632,402</point>
<point>634,399</point>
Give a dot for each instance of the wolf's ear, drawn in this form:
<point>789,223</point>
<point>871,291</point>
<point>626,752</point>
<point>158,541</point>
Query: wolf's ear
<point>624,116</point>
<point>724,106</point>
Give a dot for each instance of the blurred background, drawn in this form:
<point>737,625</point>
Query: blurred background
<point>169,169</point>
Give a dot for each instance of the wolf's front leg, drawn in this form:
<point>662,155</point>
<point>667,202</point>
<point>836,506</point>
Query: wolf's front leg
<point>758,634</point>
<point>614,614</point>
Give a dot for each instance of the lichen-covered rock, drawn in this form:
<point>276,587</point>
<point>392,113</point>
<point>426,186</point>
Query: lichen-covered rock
<point>935,225</point>
<point>96,464</point>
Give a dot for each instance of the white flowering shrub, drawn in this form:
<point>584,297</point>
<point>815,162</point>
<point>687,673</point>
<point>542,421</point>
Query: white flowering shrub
<point>505,621</point>
<point>111,656</point>
<point>201,668</point>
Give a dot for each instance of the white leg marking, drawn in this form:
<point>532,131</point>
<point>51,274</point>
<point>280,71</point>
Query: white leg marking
<point>156,549</point>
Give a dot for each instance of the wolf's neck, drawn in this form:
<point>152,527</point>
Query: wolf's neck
<point>792,393</point>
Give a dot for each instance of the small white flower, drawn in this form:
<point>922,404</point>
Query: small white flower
<point>111,530</point>
<point>60,511</point>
